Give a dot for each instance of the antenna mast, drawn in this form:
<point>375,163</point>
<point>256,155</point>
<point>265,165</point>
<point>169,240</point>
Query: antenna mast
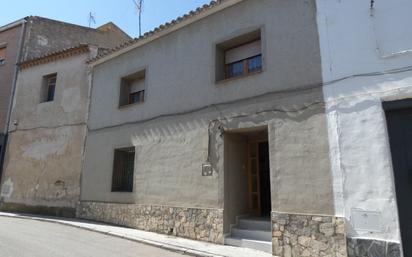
<point>92,18</point>
<point>139,7</point>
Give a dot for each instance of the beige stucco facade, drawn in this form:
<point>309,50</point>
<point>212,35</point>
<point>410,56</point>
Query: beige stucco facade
<point>170,153</point>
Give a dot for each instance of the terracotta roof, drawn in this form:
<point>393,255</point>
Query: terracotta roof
<point>163,27</point>
<point>53,56</point>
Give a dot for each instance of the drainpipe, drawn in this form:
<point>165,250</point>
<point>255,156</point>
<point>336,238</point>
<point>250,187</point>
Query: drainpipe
<point>16,70</point>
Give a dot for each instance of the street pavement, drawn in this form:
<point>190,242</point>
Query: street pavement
<point>31,238</point>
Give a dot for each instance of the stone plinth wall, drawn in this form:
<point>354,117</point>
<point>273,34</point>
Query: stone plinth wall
<point>308,236</point>
<point>373,248</point>
<point>199,224</point>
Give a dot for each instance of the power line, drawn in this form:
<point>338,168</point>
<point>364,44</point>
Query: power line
<point>277,92</point>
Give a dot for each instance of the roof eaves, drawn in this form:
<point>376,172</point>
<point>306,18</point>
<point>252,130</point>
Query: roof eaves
<point>61,54</point>
<point>165,29</point>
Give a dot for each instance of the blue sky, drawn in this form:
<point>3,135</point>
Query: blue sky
<point>121,12</point>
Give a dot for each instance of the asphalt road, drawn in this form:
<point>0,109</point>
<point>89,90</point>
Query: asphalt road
<point>28,238</point>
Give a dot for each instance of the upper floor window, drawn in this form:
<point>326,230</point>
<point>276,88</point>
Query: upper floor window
<point>123,170</point>
<point>2,55</point>
<point>133,88</point>
<point>49,88</point>
<point>243,60</point>
<point>239,56</point>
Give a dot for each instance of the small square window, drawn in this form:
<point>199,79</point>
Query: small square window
<point>2,55</point>
<point>239,56</point>
<point>49,88</point>
<point>123,170</point>
<point>133,89</point>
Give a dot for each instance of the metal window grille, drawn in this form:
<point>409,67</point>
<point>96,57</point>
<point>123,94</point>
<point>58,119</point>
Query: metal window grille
<point>136,97</point>
<point>244,67</point>
<point>123,170</point>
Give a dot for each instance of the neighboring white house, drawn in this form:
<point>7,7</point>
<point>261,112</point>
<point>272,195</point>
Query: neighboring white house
<point>366,49</point>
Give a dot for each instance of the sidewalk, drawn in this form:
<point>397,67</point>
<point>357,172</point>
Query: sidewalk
<point>176,244</point>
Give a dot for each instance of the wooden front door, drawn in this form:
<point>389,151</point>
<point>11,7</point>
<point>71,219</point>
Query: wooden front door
<point>259,178</point>
<point>254,190</point>
<point>400,137</point>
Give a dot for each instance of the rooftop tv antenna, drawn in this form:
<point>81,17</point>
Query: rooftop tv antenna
<point>92,19</point>
<point>139,8</point>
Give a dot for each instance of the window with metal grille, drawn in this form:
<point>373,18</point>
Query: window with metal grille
<point>133,89</point>
<point>244,67</point>
<point>123,170</point>
<point>49,88</point>
<point>136,97</point>
<point>244,59</point>
<point>239,56</point>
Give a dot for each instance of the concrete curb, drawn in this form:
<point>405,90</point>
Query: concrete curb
<point>169,247</point>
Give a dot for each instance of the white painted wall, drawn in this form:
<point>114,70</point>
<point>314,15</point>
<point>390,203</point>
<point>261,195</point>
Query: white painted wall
<point>356,39</point>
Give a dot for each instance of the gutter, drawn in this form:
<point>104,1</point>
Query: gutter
<point>16,71</point>
<point>21,22</point>
<point>12,25</point>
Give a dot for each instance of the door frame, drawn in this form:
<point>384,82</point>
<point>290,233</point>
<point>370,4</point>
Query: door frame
<point>388,106</point>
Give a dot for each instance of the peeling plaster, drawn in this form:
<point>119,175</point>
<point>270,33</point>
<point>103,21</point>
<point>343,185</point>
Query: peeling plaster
<point>72,99</point>
<point>46,172</point>
<point>7,188</point>
<point>42,148</point>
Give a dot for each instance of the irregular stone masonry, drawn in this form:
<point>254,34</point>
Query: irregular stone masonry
<point>199,224</point>
<point>308,236</point>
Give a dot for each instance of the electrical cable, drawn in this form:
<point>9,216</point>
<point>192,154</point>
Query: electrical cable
<point>278,92</point>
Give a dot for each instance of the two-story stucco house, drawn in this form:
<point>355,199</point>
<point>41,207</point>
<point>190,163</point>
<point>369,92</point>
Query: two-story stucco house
<point>47,122</point>
<point>213,127</point>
